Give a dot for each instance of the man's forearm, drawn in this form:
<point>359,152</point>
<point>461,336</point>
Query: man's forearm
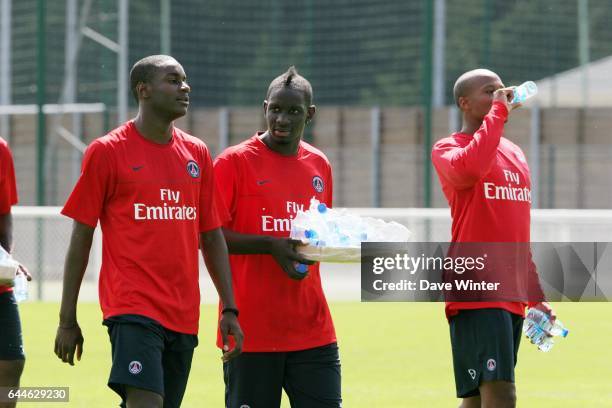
<point>6,231</point>
<point>535,294</point>
<point>214,251</point>
<point>74,270</point>
<point>238,243</point>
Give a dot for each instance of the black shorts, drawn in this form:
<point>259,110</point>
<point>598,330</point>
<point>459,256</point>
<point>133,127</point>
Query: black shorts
<point>485,345</point>
<point>311,379</point>
<point>11,341</point>
<point>150,357</point>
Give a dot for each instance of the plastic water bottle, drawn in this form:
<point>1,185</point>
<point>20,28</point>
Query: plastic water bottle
<point>536,326</point>
<point>524,91</point>
<point>20,290</point>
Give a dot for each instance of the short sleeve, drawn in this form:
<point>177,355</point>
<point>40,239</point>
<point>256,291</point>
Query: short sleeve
<point>92,189</point>
<point>225,176</point>
<point>8,185</point>
<point>213,212</point>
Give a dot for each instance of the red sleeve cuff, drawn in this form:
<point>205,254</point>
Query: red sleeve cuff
<point>78,218</point>
<point>499,109</point>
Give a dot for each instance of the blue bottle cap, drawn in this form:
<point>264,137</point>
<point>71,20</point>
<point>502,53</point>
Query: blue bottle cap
<point>301,268</point>
<point>309,233</point>
<point>322,208</point>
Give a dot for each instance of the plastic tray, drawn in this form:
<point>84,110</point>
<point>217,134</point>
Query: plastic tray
<point>331,254</point>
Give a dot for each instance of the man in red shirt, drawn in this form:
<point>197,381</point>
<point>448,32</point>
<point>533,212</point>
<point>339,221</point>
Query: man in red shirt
<point>12,358</point>
<point>477,167</point>
<point>151,186</point>
<point>290,342</point>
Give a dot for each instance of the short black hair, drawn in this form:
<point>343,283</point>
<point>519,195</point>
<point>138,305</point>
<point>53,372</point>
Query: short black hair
<point>463,85</point>
<point>144,70</point>
<point>291,79</point>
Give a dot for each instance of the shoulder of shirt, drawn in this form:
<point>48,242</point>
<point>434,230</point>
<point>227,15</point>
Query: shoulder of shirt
<point>106,145</point>
<point>509,144</point>
<point>114,137</point>
<point>3,145</point>
<point>120,134</point>
<point>454,140</point>
<point>246,146</point>
<point>188,139</point>
<point>309,149</point>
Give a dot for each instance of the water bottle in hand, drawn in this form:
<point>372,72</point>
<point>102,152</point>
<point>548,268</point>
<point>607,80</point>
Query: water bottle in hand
<point>540,330</point>
<point>524,91</point>
<point>20,290</point>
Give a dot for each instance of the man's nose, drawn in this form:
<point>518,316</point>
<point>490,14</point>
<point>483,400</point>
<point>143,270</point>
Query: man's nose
<point>282,118</point>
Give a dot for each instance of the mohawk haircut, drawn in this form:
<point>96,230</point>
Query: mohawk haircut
<point>144,70</point>
<point>292,80</point>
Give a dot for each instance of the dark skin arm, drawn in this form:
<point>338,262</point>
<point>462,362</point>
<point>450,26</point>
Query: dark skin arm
<point>215,255</point>
<point>283,250</point>
<point>69,338</point>
<point>6,231</point>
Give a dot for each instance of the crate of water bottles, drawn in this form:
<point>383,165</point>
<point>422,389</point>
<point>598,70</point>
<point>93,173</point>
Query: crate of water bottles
<point>541,330</point>
<point>333,235</point>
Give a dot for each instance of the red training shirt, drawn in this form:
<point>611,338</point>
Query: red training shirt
<point>263,191</point>
<point>475,172</point>
<point>152,201</point>
<point>8,187</point>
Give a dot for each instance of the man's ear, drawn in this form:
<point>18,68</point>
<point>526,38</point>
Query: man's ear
<point>310,113</point>
<point>265,107</point>
<point>142,90</point>
<point>464,103</point>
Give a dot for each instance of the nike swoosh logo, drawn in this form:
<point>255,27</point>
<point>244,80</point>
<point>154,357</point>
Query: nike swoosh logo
<point>136,168</point>
<point>262,182</point>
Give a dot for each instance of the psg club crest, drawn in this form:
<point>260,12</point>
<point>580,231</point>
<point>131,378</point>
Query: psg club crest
<point>491,364</point>
<point>193,169</point>
<point>135,367</point>
<point>317,183</point>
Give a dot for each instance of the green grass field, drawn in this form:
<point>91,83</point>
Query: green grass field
<point>393,355</point>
